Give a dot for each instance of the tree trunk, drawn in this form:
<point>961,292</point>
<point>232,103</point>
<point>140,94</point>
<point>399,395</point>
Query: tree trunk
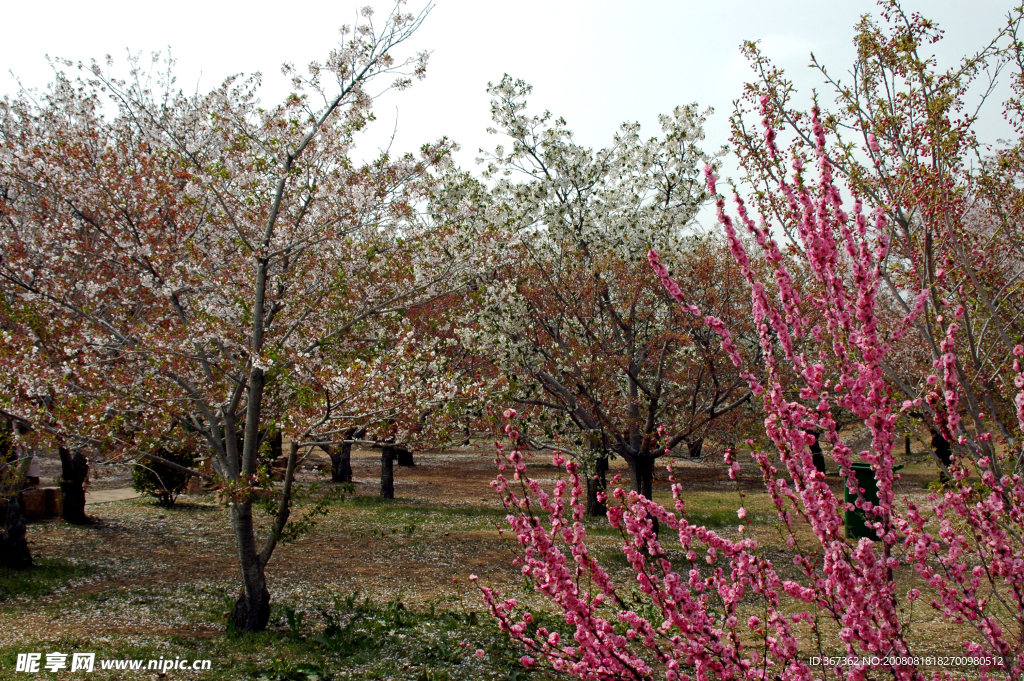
<point>251,611</point>
<point>276,446</point>
<point>597,482</point>
<point>943,453</point>
<point>252,606</point>
<point>387,472</point>
<point>74,470</point>
<point>14,552</point>
<point>403,455</point>
<point>695,448</point>
<point>641,470</point>
<point>906,445</point>
<point>341,462</point>
<point>817,456</point>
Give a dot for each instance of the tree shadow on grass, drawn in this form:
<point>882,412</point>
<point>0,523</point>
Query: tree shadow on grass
<point>40,579</point>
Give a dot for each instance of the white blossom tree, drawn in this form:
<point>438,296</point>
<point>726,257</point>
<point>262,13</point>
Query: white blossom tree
<point>588,340</point>
<point>194,261</point>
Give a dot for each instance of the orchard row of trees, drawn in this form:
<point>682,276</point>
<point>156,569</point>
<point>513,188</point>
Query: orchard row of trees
<point>212,270</point>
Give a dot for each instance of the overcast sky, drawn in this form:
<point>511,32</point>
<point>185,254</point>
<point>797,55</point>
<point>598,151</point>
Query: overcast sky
<point>596,63</point>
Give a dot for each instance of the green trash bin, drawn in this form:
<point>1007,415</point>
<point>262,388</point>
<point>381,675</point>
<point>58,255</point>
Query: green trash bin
<point>855,520</point>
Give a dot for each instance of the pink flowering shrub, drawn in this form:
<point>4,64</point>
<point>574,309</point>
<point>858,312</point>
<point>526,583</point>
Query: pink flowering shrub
<point>726,612</point>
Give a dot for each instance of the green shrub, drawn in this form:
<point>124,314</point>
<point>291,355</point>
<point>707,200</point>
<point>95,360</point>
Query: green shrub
<point>160,481</point>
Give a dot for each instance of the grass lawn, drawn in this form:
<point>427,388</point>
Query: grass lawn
<point>377,590</point>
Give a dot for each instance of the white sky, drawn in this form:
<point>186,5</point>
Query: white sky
<point>596,63</point>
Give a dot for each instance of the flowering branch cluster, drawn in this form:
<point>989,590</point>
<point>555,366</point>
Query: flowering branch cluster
<point>698,632</point>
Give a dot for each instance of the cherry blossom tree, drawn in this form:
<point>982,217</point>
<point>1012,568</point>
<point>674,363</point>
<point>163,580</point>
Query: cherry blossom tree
<point>193,261</point>
<point>593,350</point>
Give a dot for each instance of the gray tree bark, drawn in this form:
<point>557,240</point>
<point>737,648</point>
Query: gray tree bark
<point>251,611</point>
<point>252,606</point>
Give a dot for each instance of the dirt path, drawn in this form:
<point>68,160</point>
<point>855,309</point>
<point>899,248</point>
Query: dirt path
<point>105,496</point>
